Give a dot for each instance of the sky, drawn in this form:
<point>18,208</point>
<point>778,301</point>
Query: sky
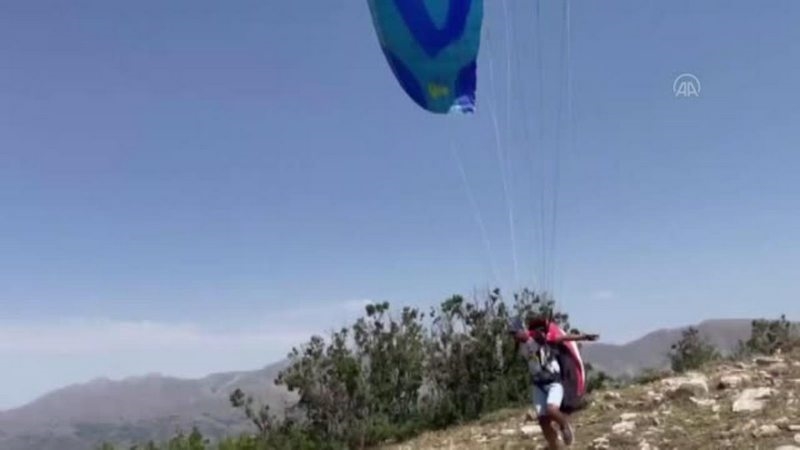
<point>197,186</point>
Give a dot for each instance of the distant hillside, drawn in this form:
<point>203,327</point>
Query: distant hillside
<point>135,409</point>
<point>650,351</point>
<point>153,407</point>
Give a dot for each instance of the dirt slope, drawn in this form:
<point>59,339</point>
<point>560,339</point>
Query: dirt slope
<point>743,405</point>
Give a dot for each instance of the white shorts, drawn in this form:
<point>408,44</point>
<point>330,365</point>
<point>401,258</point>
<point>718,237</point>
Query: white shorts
<point>551,394</point>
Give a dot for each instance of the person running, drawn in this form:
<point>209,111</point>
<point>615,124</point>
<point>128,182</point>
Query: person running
<point>540,347</point>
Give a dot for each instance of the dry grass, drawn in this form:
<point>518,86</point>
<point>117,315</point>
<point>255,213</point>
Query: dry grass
<point>657,416</point>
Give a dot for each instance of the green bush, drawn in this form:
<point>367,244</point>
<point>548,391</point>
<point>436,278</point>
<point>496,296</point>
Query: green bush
<point>692,351</point>
<point>597,379</point>
<point>650,375</point>
<point>770,336</point>
<point>390,376</point>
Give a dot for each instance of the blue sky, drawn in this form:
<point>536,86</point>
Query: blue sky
<point>194,187</point>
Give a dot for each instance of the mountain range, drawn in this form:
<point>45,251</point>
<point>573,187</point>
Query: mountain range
<point>652,349</point>
<point>137,409</point>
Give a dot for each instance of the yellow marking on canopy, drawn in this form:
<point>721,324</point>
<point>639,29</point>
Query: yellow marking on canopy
<point>436,90</point>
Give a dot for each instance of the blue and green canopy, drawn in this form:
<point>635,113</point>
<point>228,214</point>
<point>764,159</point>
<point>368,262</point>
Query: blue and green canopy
<point>432,48</point>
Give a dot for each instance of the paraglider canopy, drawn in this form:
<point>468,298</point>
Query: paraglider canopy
<point>432,49</point>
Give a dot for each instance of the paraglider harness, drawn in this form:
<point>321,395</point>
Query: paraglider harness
<point>569,370</point>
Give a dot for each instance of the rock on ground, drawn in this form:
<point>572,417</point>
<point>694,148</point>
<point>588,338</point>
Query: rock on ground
<point>752,399</point>
<point>732,381</point>
<point>767,430</point>
<point>692,384</point>
<point>600,443</point>
<point>624,427</point>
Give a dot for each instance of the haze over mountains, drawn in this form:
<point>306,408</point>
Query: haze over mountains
<point>136,409</point>
<point>155,406</point>
<point>650,351</point>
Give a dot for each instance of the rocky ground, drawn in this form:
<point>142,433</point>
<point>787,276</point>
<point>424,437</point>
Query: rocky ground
<point>737,405</point>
